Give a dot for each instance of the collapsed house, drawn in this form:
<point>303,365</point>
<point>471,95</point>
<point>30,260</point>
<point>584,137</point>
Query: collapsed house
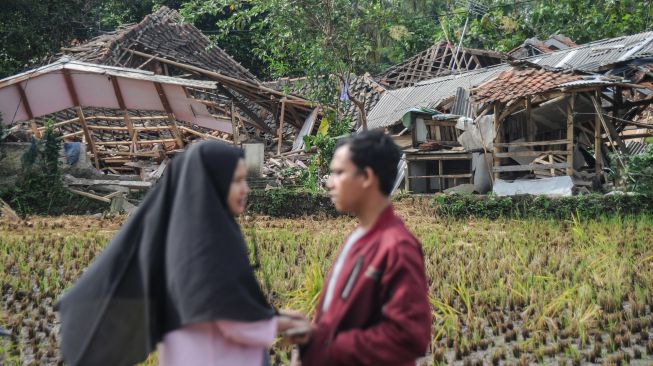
<point>166,45</point>
<point>516,122</point>
<point>217,97</point>
<point>119,113</point>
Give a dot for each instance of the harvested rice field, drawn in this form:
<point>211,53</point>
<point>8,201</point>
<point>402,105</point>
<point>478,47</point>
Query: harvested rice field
<point>503,292</point>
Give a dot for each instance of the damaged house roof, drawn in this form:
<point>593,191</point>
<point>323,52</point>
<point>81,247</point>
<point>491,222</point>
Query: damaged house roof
<point>165,35</point>
<point>595,57</point>
<point>120,113</point>
<point>162,42</point>
<point>533,46</point>
<point>601,55</point>
<point>437,60</point>
<point>394,104</point>
<point>520,82</point>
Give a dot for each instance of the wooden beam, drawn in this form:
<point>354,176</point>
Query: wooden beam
<point>534,143</point>
<point>171,116</point>
<point>570,134</point>
<point>28,109</point>
<point>80,114</point>
<point>598,146</point>
<point>529,153</point>
<point>530,127</point>
<point>529,167</point>
<point>497,141</point>
<point>613,136</point>
<point>256,120</point>
<point>216,76</point>
<point>121,102</point>
<point>283,114</point>
<point>234,125</point>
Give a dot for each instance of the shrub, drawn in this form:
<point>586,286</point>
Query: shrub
<point>39,188</point>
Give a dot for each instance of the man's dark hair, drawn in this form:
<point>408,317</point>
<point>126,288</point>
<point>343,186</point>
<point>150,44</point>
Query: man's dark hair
<point>376,150</point>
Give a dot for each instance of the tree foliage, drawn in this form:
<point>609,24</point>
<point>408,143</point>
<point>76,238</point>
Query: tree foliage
<point>319,37</point>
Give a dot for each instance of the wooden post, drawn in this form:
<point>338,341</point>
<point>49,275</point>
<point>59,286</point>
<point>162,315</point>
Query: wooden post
<point>598,145</point>
<point>80,114</point>
<point>28,109</point>
<point>407,176</point>
<point>497,139</point>
<point>570,135</point>
<point>530,128</point>
<point>121,102</point>
<point>171,116</point>
<point>283,112</point>
<point>234,124</point>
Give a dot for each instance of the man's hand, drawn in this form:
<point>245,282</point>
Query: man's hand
<point>294,327</point>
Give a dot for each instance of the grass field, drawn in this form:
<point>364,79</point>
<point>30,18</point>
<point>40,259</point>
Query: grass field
<point>502,291</point>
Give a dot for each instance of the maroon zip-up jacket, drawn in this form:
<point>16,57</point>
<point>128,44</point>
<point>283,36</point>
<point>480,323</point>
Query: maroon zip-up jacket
<point>380,313</point>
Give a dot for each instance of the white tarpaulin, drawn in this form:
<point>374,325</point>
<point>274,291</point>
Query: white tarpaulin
<point>552,187</point>
<point>477,135</point>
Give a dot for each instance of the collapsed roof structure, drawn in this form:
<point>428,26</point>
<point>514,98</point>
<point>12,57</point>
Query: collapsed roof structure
<point>514,110</point>
<point>163,43</point>
<point>441,59</point>
<point>160,81</point>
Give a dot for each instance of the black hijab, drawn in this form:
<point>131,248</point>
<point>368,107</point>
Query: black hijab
<point>179,259</point>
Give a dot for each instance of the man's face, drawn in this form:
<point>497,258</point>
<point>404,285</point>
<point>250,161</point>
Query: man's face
<point>346,183</point>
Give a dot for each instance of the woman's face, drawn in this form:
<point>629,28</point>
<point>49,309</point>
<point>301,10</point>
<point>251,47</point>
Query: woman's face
<point>237,198</point>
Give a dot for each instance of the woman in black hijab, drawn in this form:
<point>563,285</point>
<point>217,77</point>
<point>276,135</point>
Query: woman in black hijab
<point>178,265</point>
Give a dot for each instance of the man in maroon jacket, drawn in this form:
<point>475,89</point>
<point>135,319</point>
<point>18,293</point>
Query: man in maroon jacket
<point>374,307</point>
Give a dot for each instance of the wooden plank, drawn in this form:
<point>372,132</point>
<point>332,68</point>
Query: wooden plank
<point>136,184</point>
<point>73,134</point>
<point>171,116</point>
<point>426,157</point>
<point>90,195</point>
<point>140,142</point>
<point>234,125</point>
<point>114,118</point>
<point>28,109</point>
<point>444,176</point>
<point>62,123</point>
<point>512,154</point>
<point>598,146</point>
<point>534,143</point>
<point>529,167</point>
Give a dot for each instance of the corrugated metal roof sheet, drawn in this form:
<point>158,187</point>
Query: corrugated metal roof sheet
<point>635,147</point>
<point>596,56</point>
<point>395,103</point>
